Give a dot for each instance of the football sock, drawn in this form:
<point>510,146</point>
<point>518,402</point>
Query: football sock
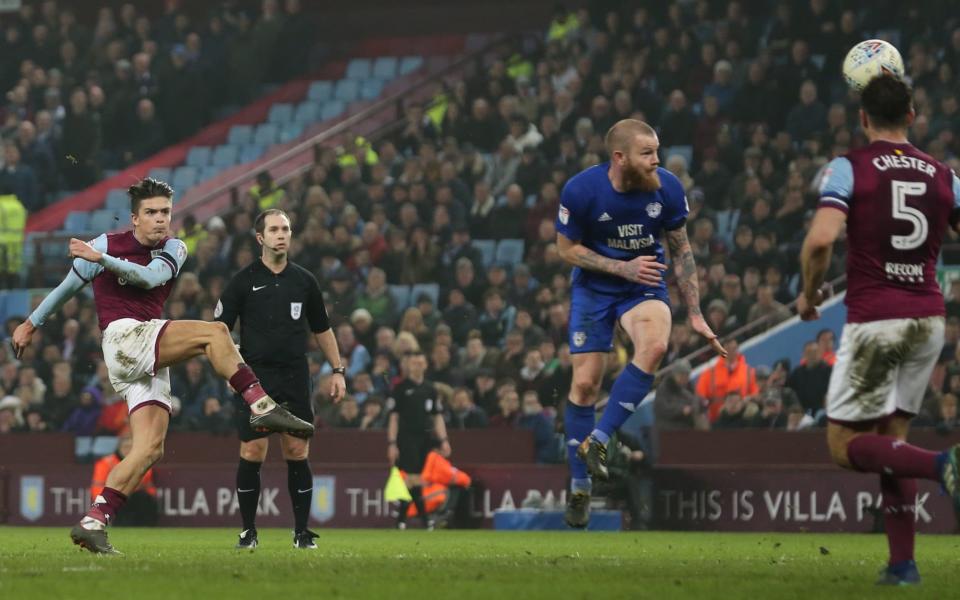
<point>883,454</point>
<point>899,516</point>
<point>300,485</point>
<point>628,392</point>
<point>106,505</point>
<point>416,492</point>
<point>402,511</point>
<point>248,491</point>
<point>245,382</point>
<point>577,423</point>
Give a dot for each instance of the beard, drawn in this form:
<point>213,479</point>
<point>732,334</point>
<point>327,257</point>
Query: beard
<point>640,179</point>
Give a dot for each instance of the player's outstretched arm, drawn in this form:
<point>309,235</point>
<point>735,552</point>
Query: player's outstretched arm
<point>23,334</point>
<point>642,269</point>
<point>815,259</point>
<point>685,268</point>
<point>160,270</point>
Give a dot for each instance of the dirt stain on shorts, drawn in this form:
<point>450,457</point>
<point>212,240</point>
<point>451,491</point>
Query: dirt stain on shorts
<point>876,357</point>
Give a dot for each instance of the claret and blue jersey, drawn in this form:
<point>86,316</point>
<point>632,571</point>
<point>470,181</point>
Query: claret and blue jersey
<point>620,226</point>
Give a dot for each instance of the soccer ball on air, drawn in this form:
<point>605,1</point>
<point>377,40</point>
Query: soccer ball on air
<point>869,59</point>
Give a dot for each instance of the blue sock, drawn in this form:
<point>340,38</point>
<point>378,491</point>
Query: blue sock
<point>628,392</point>
<point>578,421</point>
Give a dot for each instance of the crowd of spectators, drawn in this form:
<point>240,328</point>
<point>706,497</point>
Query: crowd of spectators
<point>85,94</point>
<point>749,105</point>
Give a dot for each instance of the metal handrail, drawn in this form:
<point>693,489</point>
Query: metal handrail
<point>346,124</point>
<point>830,289</point>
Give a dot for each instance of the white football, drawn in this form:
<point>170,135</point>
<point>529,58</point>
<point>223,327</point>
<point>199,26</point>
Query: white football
<point>871,58</point>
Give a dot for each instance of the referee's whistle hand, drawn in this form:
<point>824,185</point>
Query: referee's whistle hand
<point>645,270</point>
<point>338,388</point>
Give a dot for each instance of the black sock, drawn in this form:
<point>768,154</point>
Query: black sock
<point>417,493</point>
<point>402,511</point>
<point>248,491</point>
<point>300,485</point>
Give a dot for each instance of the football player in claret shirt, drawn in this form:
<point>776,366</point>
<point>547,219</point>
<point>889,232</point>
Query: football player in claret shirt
<point>609,226</point>
<point>896,203</point>
<point>132,274</point>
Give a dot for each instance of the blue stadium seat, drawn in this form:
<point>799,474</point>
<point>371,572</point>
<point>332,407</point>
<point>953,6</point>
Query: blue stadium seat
<point>371,89</point>
<point>82,447</point>
<point>160,173</point>
<point>410,64</point>
<point>251,152</point>
<point>684,151</point>
<point>430,289</point>
<point>240,134</point>
<point>509,251</point>
<point>307,112</point>
<point>184,178</point>
<point>291,131</point>
<point>209,172</point>
<point>280,113</point>
<point>332,110</point>
<point>102,221</point>
<point>199,156</point>
<point>320,90</point>
<point>401,296</point>
<point>385,68</point>
<point>486,248</point>
<point>359,68</point>
<point>104,445</point>
<point>118,199</point>
<point>266,134</point>
<point>225,155</point>
<point>77,220</point>
<point>727,224</point>
<point>347,90</point>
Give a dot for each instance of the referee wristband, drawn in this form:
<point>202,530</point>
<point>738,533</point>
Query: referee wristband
<point>340,370</point>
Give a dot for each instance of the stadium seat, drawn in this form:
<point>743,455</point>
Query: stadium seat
<point>77,221</point>
<point>727,224</point>
<point>347,90</point>
<point>359,68</point>
<point>199,156</point>
<point>225,155</point>
<point>160,173</point>
<point>401,296</point>
<point>104,445</point>
<point>280,113</point>
<point>290,131</point>
<point>82,447</point>
<point>487,249</point>
<point>409,64</point>
<point>266,134</point>
<point>184,178</point>
<point>509,251</point>
<point>118,199</point>
<point>307,112</point>
<point>320,90</point>
<point>685,151</point>
<point>385,68</point>
<point>430,289</point>
<point>332,110</point>
<point>251,152</point>
<point>209,172</point>
<point>371,89</point>
<point>240,134</point>
<point>103,220</point>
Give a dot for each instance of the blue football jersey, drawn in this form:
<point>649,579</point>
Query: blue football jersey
<point>618,225</point>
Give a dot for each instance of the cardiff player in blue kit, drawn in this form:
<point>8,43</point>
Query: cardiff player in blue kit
<point>609,226</point>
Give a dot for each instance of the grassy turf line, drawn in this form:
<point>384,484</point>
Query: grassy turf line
<point>178,564</point>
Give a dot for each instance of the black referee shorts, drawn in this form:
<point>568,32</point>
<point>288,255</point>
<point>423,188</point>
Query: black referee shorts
<point>413,452</point>
<point>290,387</point>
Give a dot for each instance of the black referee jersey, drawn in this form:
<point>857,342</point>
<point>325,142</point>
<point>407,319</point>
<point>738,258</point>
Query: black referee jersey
<point>276,311</point>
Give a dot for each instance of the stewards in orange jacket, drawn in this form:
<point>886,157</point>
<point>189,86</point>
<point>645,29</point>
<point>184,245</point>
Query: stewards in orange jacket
<point>106,464</point>
<point>731,374</point>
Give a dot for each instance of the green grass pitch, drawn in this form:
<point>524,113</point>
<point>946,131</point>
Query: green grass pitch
<point>181,564</point>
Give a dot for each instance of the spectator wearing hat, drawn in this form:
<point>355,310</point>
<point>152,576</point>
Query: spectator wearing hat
<point>83,418</point>
<point>730,375</point>
<point>10,414</point>
<point>363,327</point>
<point>676,405</point>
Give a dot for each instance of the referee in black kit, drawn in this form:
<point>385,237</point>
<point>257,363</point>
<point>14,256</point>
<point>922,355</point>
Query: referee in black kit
<point>278,303</point>
<point>415,428</point>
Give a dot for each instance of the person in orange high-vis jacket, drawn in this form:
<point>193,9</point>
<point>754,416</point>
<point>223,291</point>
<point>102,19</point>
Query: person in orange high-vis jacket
<point>106,464</point>
<point>730,374</point>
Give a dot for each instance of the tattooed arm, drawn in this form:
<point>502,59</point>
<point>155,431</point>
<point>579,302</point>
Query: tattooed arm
<point>681,255</point>
<point>642,269</point>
